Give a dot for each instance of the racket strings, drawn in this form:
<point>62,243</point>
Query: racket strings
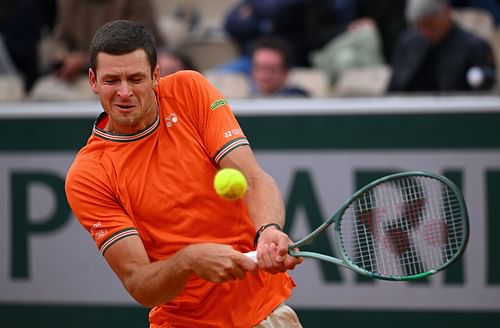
<point>403,227</point>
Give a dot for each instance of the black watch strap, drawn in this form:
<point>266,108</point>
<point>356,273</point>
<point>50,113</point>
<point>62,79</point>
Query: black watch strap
<point>262,228</point>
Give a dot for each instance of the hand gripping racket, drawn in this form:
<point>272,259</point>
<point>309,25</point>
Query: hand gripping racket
<point>403,226</point>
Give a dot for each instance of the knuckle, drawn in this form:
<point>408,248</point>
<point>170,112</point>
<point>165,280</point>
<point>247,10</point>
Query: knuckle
<point>220,277</point>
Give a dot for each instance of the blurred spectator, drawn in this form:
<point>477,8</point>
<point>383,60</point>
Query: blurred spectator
<point>326,19</point>
<point>438,55</point>
<point>77,22</point>
<point>172,61</point>
<point>389,18</point>
<point>251,19</point>
<point>358,47</point>
<point>270,67</point>
<point>21,25</point>
<point>491,6</point>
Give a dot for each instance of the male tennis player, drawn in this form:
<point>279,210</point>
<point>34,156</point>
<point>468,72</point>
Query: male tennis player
<point>142,187</point>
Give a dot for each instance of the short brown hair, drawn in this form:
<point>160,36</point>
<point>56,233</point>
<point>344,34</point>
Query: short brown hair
<point>122,37</point>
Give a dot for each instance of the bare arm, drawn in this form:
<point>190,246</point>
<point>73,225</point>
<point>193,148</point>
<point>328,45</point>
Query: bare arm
<point>265,205</point>
<point>156,283</point>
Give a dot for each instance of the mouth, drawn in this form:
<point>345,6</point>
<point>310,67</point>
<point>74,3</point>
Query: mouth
<point>124,107</point>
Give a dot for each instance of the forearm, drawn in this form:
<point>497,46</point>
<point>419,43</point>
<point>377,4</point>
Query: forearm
<point>265,205</point>
<point>264,201</point>
<point>151,284</point>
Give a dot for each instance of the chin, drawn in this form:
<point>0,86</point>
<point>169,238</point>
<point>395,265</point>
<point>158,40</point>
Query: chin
<point>127,119</point>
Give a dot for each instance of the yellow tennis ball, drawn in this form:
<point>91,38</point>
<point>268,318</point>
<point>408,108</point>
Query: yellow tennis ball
<point>230,184</point>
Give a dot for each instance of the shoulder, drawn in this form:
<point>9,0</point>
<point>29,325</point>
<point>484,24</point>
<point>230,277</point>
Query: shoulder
<point>191,89</point>
<point>464,37</point>
<point>187,75</point>
<point>410,37</point>
<point>87,165</point>
<point>88,182</point>
<point>182,82</point>
<point>183,78</point>
<point>411,45</point>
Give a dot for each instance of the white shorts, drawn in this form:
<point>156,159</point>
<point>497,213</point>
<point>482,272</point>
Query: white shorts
<point>282,317</point>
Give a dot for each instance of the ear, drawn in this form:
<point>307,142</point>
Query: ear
<point>93,81</point>
<point>156,76</point>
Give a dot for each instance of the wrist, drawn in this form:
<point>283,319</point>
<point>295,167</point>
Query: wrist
<point>272,225</point>
<point>185,259</point>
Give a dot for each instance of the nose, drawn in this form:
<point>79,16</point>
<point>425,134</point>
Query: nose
<point>124,90</point>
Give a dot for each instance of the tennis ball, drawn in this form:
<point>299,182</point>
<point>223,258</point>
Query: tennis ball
<point>230,184</point>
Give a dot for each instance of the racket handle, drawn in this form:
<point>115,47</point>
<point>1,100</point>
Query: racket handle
<point>252,255</point>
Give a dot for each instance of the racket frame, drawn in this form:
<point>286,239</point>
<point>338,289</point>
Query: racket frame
<point>337,217</point>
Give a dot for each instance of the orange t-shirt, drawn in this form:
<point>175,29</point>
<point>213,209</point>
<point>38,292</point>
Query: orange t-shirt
<point>158,184</point>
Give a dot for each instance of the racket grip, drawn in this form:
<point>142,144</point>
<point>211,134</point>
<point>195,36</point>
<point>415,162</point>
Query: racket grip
<point>252,255</point>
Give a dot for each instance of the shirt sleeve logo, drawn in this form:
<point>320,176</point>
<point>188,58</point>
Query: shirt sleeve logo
<point>232,133</point>
<point>97,231</point>
<point>218,103</point>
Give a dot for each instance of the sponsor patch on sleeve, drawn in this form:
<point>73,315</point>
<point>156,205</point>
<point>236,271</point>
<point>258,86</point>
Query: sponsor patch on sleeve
<point>218,103</point>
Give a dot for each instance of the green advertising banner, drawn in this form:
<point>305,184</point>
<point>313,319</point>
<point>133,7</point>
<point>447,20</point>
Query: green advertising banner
<point>319,152</point>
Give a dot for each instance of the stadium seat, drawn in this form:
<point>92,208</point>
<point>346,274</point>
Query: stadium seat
<point>231,85</point>
<point>363,82</point>
<point>315,81</point>
<point>477,21</point>
<point>167,7</point>
<point>214,12</point>
<point>49,88</point>
<point>205,42</point>
<point>208,53</point>
<point>172,29</point>
<point>209,16</point>
<point>11,88</point>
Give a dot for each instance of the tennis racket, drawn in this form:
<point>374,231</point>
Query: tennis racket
<point>403,226</point>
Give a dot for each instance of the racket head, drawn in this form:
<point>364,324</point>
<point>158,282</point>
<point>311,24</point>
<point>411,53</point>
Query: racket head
<point>403,226</point>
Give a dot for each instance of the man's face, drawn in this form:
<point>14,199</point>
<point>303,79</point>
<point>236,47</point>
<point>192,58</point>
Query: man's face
<point>126,90</point>
<point>268,71</point>
<point>435,27</point>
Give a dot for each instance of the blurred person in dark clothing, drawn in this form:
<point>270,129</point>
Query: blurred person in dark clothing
<point>326,19</point>
<point>437,55</point>
<point>270,68</point>
<point>251,19</point>
<point>389,18</point>
<point>21,26</point>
